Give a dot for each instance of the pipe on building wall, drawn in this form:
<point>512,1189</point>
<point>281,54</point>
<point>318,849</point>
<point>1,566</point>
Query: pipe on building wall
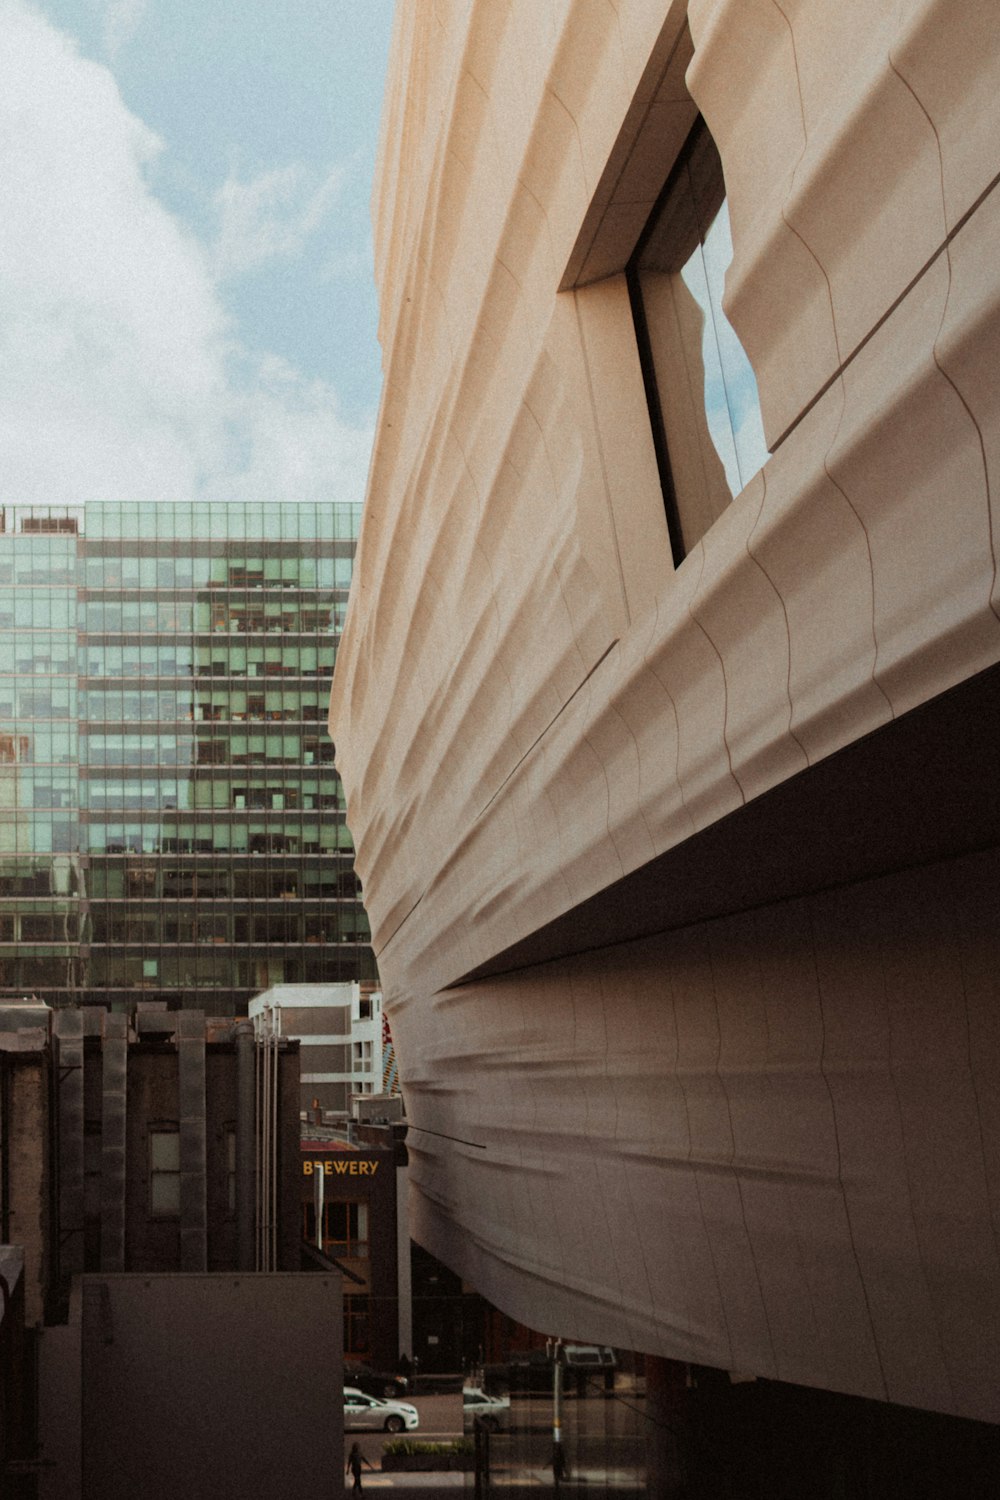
<point>267,1034</point>
<point>246,1145</point>
<point>275,1118</point>
<point>264,1159</point>
<point>319,1194</point>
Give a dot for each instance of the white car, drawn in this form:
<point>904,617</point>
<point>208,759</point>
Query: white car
<point>361,1411</point>
<point>492,1411</point>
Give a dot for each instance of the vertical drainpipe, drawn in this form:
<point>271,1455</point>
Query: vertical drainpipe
<point>319,1196</point>
<point>246,1146</point>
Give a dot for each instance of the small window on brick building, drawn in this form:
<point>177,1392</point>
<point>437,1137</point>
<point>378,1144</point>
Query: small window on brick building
<point>347,1229</point>
<point>231,1171</point>
<point>165,1173</point>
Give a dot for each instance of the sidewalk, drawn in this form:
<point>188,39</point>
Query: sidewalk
<point>623,1483</point>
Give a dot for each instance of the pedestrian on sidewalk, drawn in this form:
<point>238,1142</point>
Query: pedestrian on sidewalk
<point>354,1461</point>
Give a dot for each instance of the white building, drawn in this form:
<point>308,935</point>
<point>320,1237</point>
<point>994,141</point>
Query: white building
<point>339,1027</point>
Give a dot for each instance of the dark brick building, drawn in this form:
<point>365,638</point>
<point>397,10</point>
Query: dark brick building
<point>359,1188</point>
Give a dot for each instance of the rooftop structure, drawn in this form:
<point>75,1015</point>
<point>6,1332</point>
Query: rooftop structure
<point>339,1030</point>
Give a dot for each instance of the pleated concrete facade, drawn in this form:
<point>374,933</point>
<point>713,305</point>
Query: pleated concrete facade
<point>683,881</point>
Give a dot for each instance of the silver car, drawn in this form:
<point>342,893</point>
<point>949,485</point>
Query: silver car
<point>492,1411</point>
<point>368,1412</point>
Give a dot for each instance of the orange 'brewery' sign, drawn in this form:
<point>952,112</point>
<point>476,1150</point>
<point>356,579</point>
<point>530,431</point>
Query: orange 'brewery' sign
<point>340,1168</point>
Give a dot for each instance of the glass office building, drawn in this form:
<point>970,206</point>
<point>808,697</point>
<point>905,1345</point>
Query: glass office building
<point>171,823</point>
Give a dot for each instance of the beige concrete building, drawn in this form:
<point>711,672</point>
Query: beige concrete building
<point>668,697</point>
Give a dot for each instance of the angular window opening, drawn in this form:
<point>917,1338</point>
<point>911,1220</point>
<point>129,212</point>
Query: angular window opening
<point>701,389</point>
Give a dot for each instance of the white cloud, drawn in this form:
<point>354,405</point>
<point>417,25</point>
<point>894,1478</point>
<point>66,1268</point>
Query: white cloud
<point>271,216</point>
<point>120,375</point>
<point>292,444</point>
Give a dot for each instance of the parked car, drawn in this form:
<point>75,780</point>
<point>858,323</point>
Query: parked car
<point>589,1356</point>
<point>376,1382</point>
<point>529,1371</point>
<point>369,1413</point>
<point>492,1411</point>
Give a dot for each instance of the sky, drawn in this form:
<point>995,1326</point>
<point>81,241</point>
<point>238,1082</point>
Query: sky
<point>732,405</point>
<point>187,303</point>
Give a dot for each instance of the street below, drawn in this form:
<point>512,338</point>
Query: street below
<point>603,1441</point>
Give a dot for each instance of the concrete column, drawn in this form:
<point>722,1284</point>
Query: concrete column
<point>114,1071</point>
<point>191,1088</point>
<point>404,1287</point>
<point>666,1406</point>
<point>68,1026</point>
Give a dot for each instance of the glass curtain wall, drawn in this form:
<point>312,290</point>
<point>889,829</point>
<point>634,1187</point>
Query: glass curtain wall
<point>43,924</point>
<point>201,797</point>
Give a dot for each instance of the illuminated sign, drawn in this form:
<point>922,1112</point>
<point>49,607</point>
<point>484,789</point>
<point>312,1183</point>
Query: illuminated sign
<point>340,1168</point>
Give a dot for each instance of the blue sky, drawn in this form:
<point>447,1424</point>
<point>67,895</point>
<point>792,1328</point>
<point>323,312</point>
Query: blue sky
<point>187,307</point>
<point>732,404</point>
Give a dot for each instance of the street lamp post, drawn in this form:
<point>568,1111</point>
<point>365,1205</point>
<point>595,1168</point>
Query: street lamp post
<point>559,1472</point>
